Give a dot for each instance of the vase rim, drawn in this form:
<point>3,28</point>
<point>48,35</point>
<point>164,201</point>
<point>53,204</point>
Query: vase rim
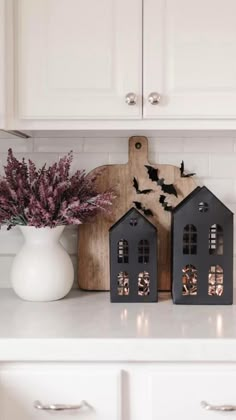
<point>42,234</point>
<point>41,227</point>
<point>41,230</point>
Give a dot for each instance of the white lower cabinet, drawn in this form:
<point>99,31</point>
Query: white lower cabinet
<point>191,391</point>
<point>183,391</point>
<point>27,391</point>
<point>132,391</point>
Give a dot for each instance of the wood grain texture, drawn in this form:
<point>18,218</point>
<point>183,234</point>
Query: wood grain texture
<point>93,248</point>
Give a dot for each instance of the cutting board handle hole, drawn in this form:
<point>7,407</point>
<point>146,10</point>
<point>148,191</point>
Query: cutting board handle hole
<point>138,145</point>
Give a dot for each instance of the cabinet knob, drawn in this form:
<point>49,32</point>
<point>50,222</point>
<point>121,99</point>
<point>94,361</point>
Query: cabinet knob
<point>60,407</point>
<point>131,98</point>
<point>154,98</point>
<point>211,407</point>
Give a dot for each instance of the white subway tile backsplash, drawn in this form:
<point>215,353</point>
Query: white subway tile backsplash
<point>165,145</point>
<point>10,241</point>
<point>56,134</point>
<point>74,260</point>
<point>40,158</point>
<point>212,155</point>
<point>153,157</point>
<point>118,158</point>
<point>69,239</point>
<point>17,145</point>
<point>89,161</point>
<point>222,165</point>
<point>222,188</point>
<point>111,145</point>
<point>193,162</point>
<point>209,145</point>
<point>5,267</point>
<point>58,145</point>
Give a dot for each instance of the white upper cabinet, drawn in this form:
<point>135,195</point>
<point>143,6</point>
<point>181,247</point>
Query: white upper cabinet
<point>190,58</point>
<point>128,64</point>
<point>78,59</point>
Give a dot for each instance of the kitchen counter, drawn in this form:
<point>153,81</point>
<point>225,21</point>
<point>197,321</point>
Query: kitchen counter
<point>87,327</point>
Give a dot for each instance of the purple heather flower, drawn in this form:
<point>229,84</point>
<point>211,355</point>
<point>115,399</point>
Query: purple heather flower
<point>48,196</point>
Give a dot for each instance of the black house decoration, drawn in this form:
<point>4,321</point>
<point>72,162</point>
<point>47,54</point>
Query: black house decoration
<point>133,259</point>
<point>202,250</point>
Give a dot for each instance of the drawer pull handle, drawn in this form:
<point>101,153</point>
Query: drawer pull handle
<point>211,407</point>
<point>59,407</point>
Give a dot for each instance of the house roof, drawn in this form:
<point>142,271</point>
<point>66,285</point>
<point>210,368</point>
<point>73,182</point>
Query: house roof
<point>193,194</point>
<point>134,212</point>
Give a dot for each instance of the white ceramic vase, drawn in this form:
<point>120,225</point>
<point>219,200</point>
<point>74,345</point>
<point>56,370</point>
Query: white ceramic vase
<point>42,270</point>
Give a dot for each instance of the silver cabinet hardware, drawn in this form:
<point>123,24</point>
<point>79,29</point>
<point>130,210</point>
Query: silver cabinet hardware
<point>59,407</point>
<point>131,98</point>
<point>154,98</point>
<point>211,407</point>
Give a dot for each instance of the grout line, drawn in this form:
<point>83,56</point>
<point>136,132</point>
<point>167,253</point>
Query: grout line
<point>33,145</point>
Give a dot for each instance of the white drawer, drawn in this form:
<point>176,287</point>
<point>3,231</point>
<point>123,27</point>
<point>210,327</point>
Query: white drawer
<point>69,384</point>
<point>176,392</point>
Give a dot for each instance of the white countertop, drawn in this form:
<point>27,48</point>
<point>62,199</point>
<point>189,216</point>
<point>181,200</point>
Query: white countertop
<point>87,327</point>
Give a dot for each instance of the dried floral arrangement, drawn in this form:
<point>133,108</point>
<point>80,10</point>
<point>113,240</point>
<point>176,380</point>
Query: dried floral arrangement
<point>48,196</point>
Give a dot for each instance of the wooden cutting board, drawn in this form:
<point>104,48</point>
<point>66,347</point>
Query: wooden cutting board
<point>93,248</point>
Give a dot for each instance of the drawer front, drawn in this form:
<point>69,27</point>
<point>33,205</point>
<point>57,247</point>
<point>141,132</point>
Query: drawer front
<point>177,392</point>
<point>21,386</point>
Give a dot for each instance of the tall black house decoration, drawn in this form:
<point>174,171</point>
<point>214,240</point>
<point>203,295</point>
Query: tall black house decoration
<point>202,250</point>
<point>133,259</point>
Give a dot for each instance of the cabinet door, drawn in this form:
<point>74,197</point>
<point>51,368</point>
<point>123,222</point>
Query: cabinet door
<point>27,392</point>
<point>190,58</point>
<point>179,392</point>
<point>78,59</point>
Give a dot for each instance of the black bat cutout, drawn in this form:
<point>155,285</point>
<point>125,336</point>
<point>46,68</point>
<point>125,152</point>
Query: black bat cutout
<point>139,206</point>
<point>166,188</point>
<point>164,204</point>
<point>138,191</point>
<point>147,212</point>
<point>182,174</point>
<point>152,173</point>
